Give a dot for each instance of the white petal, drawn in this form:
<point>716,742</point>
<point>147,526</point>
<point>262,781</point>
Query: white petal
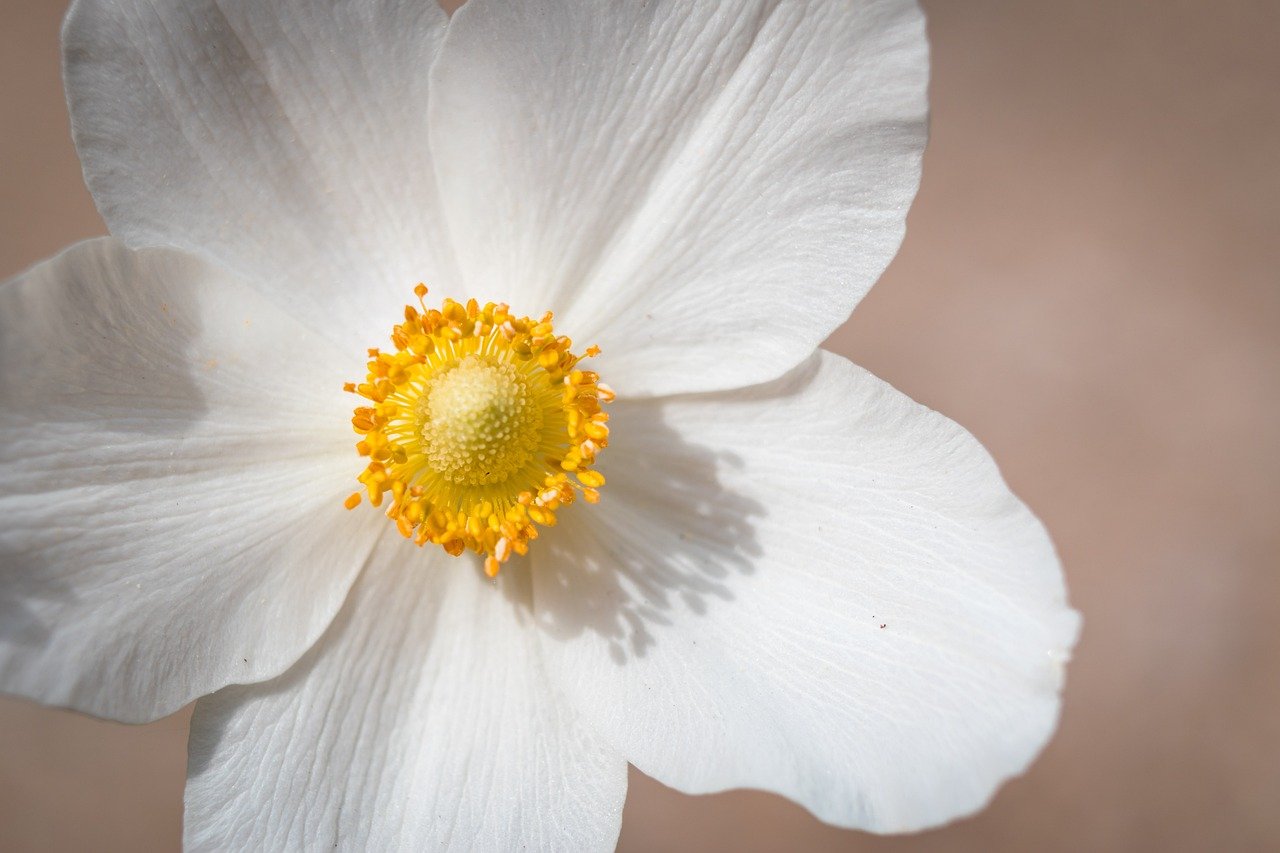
<point>422,720</point>
<point>287,140</point>
<point>173,456</point>
<point>705,189</point>
<point>817,587</point>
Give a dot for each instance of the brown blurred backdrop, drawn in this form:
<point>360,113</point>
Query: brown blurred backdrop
<point>1091,284</point>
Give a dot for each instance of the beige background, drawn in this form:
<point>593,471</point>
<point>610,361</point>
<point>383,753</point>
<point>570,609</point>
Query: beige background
<point>1091,284</point>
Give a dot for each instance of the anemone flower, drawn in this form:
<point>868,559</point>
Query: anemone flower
<point>703,547</point>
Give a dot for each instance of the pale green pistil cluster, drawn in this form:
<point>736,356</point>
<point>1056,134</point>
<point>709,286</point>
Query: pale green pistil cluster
<point>479,422</point>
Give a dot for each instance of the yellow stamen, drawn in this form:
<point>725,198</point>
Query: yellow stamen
<point>473,425</point>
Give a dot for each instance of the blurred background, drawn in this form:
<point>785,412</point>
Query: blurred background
<point>1091,284</point>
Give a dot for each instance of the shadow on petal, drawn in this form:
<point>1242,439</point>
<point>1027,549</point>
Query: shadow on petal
<point>668,534</point>
<point>27,588</point>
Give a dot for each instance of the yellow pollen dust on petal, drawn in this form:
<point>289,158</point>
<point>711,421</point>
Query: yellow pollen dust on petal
<point>478,428</point>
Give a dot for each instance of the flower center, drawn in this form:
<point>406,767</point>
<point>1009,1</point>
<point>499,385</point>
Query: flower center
<point>479,421</point>
<point>479,418</point>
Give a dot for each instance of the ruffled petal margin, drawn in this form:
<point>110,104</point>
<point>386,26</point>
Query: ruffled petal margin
<point>816,587</point>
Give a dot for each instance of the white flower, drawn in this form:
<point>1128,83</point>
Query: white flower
<point>796,579</point>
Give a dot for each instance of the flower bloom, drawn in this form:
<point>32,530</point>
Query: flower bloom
<point>758,566</point>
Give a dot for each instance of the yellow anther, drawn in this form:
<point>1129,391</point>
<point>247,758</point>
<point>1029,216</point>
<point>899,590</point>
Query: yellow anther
<point>594,479</point>
<point>475,418</point>
<point>549,358</point>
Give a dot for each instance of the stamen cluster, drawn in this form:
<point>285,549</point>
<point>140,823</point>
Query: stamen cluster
<point>476,423</point>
